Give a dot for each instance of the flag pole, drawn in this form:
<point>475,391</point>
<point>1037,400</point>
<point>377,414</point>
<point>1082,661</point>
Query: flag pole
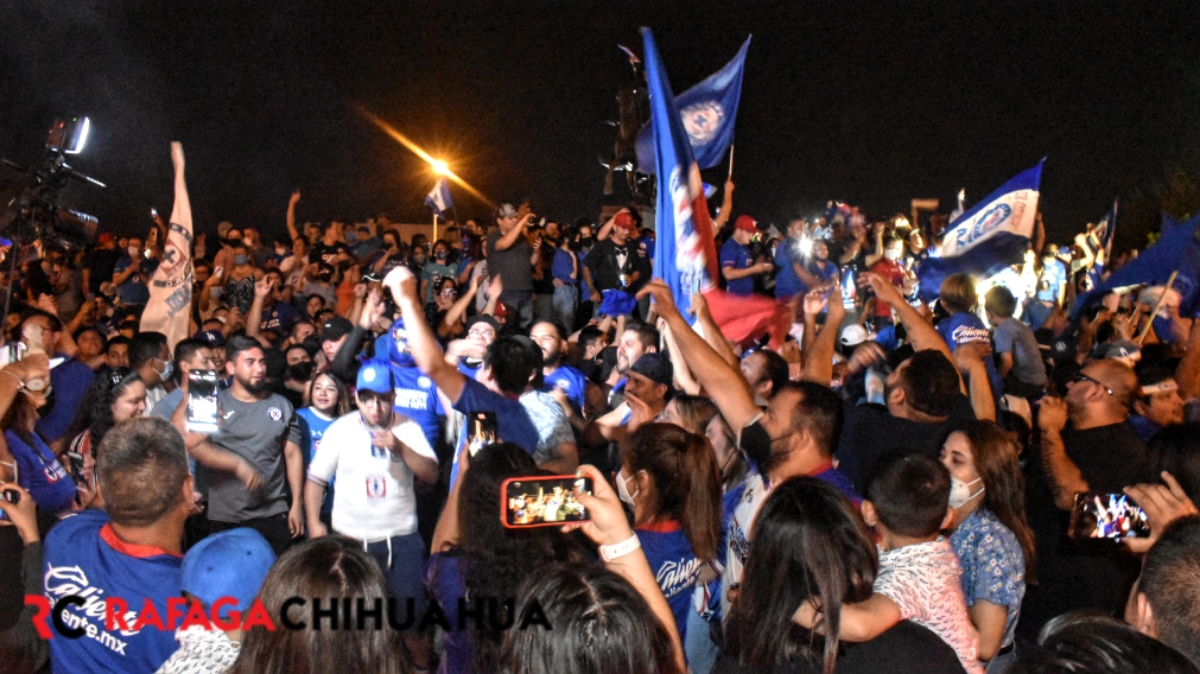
<point>730,177</point>
<point>1157,305</point>
<point>434,227</point>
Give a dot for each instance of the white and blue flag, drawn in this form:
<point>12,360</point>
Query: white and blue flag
<point>958,210</point>
<point>990,236</point>
<point>439,199</point>
<point>708,111</point>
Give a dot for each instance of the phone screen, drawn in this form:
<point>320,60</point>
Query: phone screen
<point>543,501</point>
<point>1098,515</point>
<point>6,470</point>
<point>482,430</point>
<point>202,401</point>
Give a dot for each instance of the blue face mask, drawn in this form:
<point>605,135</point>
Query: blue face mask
<point>351,237</point>
<point>241,259</point>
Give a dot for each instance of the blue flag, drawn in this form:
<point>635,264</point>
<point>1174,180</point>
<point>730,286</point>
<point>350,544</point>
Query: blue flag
<point>685,254</point>
<point>708,112</point>
<point>439,199</point>
<point>1177,250</point>
<point>1110,226</point>
<point>990,236</point>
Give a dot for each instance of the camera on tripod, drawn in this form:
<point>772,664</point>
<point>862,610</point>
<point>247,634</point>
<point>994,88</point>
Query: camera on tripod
<point>32,211</point>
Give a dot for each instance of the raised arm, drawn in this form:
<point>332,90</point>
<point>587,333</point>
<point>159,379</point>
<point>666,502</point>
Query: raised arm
<point>818,358</point>
<point>1063,476</point>
<point>421,340</point>
<point>458,309</point>
<point>726,207</point>
<point>291,216</point>
<point>509,240</point>
<point>723,381</point>
<point>921,334</point>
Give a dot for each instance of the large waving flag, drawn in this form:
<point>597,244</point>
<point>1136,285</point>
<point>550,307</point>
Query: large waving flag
<point>1177,250</point>
<point>169,308</point>
<point>961,208</point>
<point>990,236</point>
<point>708,111</point>
<point>685,253</point>
<point>439,199</point>
<point>1110,226</point>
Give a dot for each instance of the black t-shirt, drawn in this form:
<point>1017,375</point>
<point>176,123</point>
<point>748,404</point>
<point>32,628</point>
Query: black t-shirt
<point>872,432</point>
<point>1080,574</point>
<point>100,264</point>
<point>322,252</point>
<point>907,648</point>
<point>608,261</point>
<point>511,264</point>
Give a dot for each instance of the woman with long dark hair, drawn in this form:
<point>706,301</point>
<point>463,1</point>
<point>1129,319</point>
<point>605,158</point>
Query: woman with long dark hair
<point>116,394</point>
<point>328,569</point>
<point>992,538</point>
<point>809,546</point>
<point>38,469</point>
<point>328,400</point>
<point>475,557</point>
<point>671,479</point>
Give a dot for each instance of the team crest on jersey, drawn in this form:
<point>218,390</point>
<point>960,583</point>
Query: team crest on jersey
<point>376,486</point>
<point>424,382</point>
<point>275,413</point>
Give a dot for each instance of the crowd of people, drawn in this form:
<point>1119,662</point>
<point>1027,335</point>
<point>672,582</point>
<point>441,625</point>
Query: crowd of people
<point>895,487</point>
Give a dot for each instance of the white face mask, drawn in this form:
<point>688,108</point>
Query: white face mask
<point>134,252</point>
<point>623,490</point>
<point>960,492</point>
<point>891,254</point>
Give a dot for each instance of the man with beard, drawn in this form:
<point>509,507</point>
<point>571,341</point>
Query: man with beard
<point>794,436</point>
<point>561,380</point>
<point>254,455</point>
<point>636,340</point>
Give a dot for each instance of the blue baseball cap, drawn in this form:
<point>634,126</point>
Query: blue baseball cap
<point>231,563</point>
<point>214,338</point>
<point>375,376</point>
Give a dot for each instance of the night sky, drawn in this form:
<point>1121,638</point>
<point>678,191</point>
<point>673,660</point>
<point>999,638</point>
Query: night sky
<point>871,103</point>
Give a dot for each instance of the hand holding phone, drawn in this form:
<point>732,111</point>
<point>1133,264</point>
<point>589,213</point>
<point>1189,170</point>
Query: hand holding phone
<point>203,408</point>
<point>482,430</point>
<point>1097,515</point>
<point>537,501</point>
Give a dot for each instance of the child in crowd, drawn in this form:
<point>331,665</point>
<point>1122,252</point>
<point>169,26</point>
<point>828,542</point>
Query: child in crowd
<point>907,501</point>
<point>233,564</point>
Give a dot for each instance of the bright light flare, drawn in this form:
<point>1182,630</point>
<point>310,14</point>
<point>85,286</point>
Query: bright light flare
<point>440,167</point>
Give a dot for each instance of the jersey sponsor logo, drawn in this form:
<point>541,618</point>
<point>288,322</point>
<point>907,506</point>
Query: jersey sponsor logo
<point>228,414</point>
<point>677,576</point>
<point>70,581</point>
<point>424,382</point>
<point>411,399</point>
<point>965,334</point>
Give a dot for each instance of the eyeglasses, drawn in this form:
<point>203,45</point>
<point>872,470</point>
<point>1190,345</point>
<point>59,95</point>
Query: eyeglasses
<point>1081,377</point>
<point>482,334</point>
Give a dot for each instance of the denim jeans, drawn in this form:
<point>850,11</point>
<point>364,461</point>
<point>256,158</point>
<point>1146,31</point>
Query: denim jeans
<point>566,298</point>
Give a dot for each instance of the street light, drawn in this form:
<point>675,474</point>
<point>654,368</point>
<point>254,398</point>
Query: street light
<point>440,167</point>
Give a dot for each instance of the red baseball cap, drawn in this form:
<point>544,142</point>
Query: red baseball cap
<point>624,220</point>
<point>746,224</point>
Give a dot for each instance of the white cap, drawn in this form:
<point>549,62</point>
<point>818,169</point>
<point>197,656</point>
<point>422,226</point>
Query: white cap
<point>854,335</point>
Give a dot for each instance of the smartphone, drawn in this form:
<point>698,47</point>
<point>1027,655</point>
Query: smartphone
<point>203,413</point>
<point>9,495</point>
<point>482,430</point>
<point>849,288</point>
<point>543,501</point>
<point>11,353</point>
<point>1097,515</point>
<point>75,467</point>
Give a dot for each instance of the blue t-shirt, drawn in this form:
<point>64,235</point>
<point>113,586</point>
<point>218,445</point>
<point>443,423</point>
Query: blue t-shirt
<point>787,283</point>
<point>134,290</point>
<point>312,427</point>
<point>279,318</point>
<point>82,556</point>
<point>513,422</point>
<point>1054,276</point>
<point>71,381</point>
<point>965,327</point>
<point>734,254</point>
<point>570,381</point>
<point>646,244</point>
<point>40,473</point>
<point>562,267</point>
<point>675,567</point>
<point>417,399</point>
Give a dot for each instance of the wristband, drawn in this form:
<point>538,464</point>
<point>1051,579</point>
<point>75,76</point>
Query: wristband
<point>610,552</point>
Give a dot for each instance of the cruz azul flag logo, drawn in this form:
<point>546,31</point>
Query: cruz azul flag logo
<point>708,112</point>
<point>990,236</point>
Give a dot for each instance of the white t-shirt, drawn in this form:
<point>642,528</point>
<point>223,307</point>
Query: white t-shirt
<point>374,497</point>
<point>754,492</point>
<point>923,580</point>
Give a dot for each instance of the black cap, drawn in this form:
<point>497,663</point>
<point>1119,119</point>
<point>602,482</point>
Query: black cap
<point>335,328</point>
<point>654,367</point>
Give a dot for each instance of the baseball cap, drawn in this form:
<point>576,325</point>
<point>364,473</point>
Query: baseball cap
<point>106,237</point>
<point>214,338</point>
<point>624,220</point>
<point>335,328</point>
<point>1124,350</point>
<point>654,367</point>
<point>375,376</point>
<point>854,335</point>
<point>506,211</point>
<point>746,224</point>
<point>231,563</point>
